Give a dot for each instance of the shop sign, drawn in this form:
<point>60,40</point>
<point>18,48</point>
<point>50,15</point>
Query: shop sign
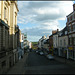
<point>70,48</point>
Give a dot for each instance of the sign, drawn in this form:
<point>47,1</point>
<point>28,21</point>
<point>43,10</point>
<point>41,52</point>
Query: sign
<point>70,48</point>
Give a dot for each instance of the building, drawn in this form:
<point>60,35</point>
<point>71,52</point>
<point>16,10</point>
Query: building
<point>22,40</point>
<point>55,43</point>
<point>51,44</point>
<point>63,43</point>
<point>54,31</point>
<point>42,41</point>
<point>8,26</point>
<point>46,45</point>
<point>25,40</point>
<point>71,33</point>
<point>30,45</point>
<point>39,43</point>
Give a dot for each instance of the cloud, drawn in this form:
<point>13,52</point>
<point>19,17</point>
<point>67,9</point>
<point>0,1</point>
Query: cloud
<point>44,14</point>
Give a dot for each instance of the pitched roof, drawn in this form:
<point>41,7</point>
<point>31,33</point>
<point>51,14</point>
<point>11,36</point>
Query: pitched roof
<point>63,31</point>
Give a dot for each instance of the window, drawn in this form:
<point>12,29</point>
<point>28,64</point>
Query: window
<point>22,37</point>
<point>56,37</point>
<point>69,28</point>
<point>4,12</point>
<point>74,40</point>
<point>73,27</point>
<point>70,41</point>
<point>61,42</point>
<point>68,19</point>
<point>64,42</point>
<point>74,16</point>
<point>65,32</point>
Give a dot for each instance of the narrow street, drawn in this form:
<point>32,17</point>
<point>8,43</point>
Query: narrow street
<point>37,64</point>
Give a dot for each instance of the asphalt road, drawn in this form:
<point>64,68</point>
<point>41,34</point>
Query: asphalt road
<point>37,64</point>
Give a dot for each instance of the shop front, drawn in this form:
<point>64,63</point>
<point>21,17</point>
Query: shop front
<point>71,52</point>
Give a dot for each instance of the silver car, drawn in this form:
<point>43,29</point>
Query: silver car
<point>49,56</point>
<point>41,53</point>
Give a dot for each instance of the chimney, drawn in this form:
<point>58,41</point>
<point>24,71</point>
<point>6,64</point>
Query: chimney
<point>73,7</point>
<point>57,30</point>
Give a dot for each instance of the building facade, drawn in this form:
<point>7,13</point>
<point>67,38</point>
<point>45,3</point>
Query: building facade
<point>8,47</point>
<point>55,43</point>
<point>71,33</point>
<point>51,44</point>
<point>63,43</point>
<point>22,40</point>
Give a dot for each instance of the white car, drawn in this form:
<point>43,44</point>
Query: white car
<point>37,51</point>
<point>41,53</point>
<point>49,56</point>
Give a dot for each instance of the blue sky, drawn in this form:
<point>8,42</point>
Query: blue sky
<point>39,18</point>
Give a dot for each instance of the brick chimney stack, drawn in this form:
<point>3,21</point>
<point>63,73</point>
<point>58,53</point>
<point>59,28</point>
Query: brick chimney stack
<point>73,7</point>
<point>57,30</point>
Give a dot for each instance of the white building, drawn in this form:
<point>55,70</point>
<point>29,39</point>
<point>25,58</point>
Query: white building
<point>22,40</point>
<point>30,45</point>
<point>63,43</point>
<point>43,43</point>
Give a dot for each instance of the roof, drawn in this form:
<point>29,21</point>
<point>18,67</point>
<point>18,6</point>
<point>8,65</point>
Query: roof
<point>63,31</point>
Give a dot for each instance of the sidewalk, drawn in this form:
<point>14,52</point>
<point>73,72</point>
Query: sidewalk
<point>65,61</point>
<point>18,68</point>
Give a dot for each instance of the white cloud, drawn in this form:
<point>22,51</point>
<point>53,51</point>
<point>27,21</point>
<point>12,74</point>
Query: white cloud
<point>44,14</point>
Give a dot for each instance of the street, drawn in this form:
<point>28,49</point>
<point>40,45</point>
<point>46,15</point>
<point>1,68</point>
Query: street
<point>37,64</point>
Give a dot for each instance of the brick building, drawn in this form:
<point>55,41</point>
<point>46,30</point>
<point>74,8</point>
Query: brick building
<point>71,33</point>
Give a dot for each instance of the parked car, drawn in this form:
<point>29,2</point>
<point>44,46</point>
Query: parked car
<point>37,51</point>
<point>41,53</point>
<point>49,56</point>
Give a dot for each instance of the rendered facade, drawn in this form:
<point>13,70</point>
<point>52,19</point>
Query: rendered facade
<point>8,36</point>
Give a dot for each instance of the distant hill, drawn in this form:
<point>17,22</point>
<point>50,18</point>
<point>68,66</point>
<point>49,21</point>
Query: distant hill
<point>34,42</point>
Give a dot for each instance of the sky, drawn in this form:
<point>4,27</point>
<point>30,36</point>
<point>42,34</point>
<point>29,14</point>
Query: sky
<point>39,18</point>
